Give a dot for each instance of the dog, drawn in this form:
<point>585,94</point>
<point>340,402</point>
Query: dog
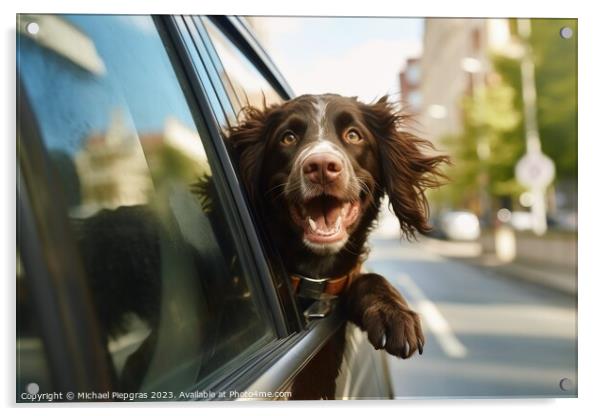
<point>318,167</point>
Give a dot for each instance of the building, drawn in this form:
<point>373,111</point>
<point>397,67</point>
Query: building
<point>454,61</point>
<point>410,86</point>
<point>121,167</point>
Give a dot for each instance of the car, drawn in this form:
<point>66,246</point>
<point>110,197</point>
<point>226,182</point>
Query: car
<point>142,271</point>
<point>459,225</point>
<point>521,220</point>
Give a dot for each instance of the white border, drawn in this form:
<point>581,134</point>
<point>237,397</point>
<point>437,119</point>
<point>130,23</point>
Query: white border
<point>590,153</point>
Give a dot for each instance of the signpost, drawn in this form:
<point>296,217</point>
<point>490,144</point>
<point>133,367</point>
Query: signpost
<point>535,170</point>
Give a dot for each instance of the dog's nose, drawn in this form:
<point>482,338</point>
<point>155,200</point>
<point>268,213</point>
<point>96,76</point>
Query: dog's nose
<point>322,168</point>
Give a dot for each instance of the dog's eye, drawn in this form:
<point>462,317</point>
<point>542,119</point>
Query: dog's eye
<point>288,139</point>
<point>352,136</point>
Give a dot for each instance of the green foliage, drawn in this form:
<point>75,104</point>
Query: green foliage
<point>489,145</point>
<point>556,83</point>
<point>494,115</point>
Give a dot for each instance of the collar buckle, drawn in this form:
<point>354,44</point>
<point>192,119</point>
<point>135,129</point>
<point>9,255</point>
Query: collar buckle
<point>312,288</point>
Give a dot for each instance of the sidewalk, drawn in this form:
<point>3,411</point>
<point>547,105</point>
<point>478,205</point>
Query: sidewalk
<point>562,278</point>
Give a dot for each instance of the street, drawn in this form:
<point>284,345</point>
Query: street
<point>487,335</point>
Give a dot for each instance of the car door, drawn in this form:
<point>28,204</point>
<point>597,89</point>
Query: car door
<point>142,274</point>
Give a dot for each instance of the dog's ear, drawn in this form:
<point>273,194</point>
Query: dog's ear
<point>247,143</point>
<point>408,165</point>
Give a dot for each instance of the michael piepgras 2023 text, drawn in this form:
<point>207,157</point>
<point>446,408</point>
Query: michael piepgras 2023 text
<point>161,395</point>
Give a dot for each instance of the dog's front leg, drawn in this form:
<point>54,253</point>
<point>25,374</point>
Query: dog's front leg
<point>375,306</point>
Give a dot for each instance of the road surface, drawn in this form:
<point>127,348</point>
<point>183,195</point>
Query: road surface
<point>487,334</point>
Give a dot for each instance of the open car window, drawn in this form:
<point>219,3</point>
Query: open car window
<point>243,82</point>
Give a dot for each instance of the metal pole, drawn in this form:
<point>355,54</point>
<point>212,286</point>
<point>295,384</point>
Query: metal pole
<point>483,150</point>
<point>475,67</point>
<point>527,67</point>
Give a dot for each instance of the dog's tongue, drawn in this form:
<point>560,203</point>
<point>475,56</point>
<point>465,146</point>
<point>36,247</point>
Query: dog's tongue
<point>324,212</point>
<point>325,219</point>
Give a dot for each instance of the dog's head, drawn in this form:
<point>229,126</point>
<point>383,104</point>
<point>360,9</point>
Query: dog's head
<point>321,163</point>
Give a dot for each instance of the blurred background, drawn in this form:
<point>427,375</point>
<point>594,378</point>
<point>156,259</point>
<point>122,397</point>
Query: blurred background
<point>496,280</point>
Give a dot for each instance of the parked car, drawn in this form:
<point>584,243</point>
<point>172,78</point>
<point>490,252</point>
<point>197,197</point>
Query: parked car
<point>522,220</point>
<point>458,225</point>
<point>141,271</point>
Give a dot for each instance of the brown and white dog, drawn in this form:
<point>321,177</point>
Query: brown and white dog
<point>318,167</point>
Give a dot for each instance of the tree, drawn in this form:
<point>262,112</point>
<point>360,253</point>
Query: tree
<point>485,153</point>
<point>556,83</point>
<point>494,115</point>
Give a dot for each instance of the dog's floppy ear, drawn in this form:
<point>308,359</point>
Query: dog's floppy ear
<point>247,142</point>
<point>407,169</point>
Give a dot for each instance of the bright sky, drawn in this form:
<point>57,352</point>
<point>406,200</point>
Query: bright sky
<point>349,56</point>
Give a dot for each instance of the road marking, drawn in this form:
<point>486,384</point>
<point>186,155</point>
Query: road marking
<point>450,344</point>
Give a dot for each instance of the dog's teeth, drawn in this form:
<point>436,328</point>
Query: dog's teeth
<point>383,341</point>
<point>313,225</point>
<point>337,225</point>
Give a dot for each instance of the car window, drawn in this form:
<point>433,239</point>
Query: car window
<point>176,302</point>
<point>243,82</point>
<point>246,85</point>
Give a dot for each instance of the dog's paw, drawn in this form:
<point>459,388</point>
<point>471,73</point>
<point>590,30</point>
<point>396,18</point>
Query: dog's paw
<point>395,328</point>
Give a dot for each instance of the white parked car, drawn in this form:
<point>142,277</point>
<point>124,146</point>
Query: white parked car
<point>460,225</point>
<point>522,220</point>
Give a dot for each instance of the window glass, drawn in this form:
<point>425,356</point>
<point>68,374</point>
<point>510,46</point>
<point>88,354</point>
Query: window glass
<point>243,82</point>
<point>162,259</point>
<point>33,375</point>
<point>246,85</point>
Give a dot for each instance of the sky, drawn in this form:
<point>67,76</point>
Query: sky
<point>349,56</point>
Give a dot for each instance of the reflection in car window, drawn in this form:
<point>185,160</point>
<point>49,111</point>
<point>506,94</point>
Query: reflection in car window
<point>243,82</point>
<point>175,301</point>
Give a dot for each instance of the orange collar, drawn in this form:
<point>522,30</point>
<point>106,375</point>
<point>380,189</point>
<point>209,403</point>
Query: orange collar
<point>309,287</point>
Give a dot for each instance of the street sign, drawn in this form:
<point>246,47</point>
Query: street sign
<point>535,170</point>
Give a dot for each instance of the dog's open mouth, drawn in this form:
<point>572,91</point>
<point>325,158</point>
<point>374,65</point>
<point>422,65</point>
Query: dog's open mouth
<point>325,219</point>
